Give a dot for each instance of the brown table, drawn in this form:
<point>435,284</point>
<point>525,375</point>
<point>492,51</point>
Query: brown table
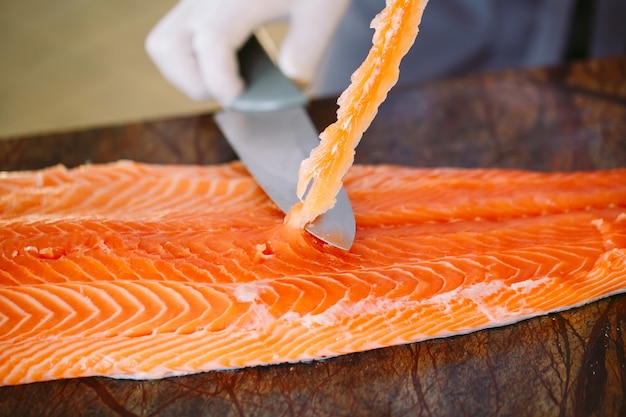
<point>567,364</point>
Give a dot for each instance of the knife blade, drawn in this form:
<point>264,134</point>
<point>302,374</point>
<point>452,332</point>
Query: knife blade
<point>271,132</point>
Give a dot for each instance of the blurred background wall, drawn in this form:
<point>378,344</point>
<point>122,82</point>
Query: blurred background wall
<point>81,63</point>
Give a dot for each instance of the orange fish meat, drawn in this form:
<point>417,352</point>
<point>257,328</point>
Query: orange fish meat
<point>143,271</point>
<point>321,174</point>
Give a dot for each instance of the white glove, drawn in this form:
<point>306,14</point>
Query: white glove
<point>195,44</point>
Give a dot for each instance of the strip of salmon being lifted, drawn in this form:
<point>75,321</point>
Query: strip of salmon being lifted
<point>144,271</point>
<point>321,174</point>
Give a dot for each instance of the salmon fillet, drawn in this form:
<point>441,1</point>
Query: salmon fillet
<point>130,270</point>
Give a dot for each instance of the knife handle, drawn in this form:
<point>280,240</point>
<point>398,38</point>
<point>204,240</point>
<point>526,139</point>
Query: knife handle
<point>267,88</point>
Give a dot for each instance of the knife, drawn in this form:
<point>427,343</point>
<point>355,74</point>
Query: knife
<point>271,132</point>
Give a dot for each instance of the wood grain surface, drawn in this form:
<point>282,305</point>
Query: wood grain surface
<point>571,363</point>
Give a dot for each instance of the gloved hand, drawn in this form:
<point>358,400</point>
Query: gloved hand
<point>195,44</point>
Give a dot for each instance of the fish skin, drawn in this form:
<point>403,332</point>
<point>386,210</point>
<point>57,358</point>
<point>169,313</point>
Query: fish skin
<point>131,270</point>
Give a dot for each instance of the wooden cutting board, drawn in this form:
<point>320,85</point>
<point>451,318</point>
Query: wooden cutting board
<point>567,364</point>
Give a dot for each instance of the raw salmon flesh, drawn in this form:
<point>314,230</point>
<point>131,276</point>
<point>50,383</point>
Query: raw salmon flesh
<point>321,174</point>
<point>144,271</point>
